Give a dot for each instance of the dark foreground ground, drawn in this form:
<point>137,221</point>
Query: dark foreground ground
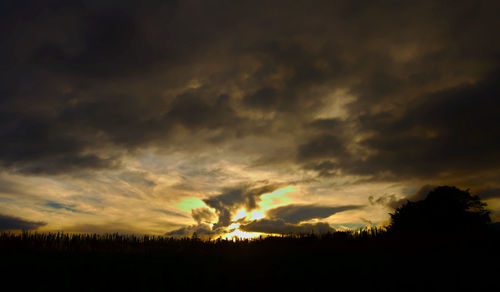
<point>334,262</point>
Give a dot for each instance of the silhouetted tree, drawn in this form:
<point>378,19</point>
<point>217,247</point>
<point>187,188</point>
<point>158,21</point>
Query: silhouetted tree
<point>444,209</point>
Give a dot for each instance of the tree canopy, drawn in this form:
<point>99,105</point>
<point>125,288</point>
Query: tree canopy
<point>446,208</point>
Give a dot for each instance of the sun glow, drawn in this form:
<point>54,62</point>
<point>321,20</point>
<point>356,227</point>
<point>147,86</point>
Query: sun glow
<point>238,234</point>
<point>256,215</point>
<point>268,201</point>
<point>188,204</point>
<point>240,214</point>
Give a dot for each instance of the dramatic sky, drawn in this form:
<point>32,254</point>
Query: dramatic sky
<point>216,117</point>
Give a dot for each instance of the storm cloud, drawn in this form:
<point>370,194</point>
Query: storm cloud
<point>393,202</point>
<point>324,93</point>
<point>422,121</point>
<point>202,215</point>
<point>122,77</point>
<point>298,213</point>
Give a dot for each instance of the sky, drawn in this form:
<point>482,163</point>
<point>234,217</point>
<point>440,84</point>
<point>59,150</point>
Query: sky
<point>226,118</point>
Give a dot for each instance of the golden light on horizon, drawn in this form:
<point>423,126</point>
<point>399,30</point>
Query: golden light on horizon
<point>238,234</point>
<point>254,215</point>
<point>268,201</point>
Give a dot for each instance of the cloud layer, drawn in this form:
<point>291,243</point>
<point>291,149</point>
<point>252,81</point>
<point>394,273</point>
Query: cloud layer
<point>140,100</point>
<point>298,213</point>
<point>104,80</point>
<point>11,223</point>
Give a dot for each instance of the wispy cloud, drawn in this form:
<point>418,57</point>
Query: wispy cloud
<point>66,207</point>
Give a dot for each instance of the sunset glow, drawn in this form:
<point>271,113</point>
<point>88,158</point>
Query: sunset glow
<point>238,234</point>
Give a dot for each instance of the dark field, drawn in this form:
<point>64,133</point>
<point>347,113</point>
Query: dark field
<point>373,260</point>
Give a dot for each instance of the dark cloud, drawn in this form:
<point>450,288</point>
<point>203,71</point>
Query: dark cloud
<point>192,112</point>
<point>286,219</point>
<point>59,114</point>
<point>324,168</point>
<point>278,226</point>
<point>85,84</point>
<point>326,125</point>
<point>393,202</point>
<point>264,99</point>
<point>384,200</point>
<point>489,193</point>
<point>449,131</point>
<point>98,38</point>
<point>328,146</point>
<point>297,213</point>
<point>14,223</point>
<point>202,230</point>
<point>41,146</point>
<point>230,200</point>
<point>203,215</point>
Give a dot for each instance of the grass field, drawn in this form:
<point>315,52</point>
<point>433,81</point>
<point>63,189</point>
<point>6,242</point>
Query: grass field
<point>370,259</point>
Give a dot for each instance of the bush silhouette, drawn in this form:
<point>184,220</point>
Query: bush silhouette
<point>444,209</point>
